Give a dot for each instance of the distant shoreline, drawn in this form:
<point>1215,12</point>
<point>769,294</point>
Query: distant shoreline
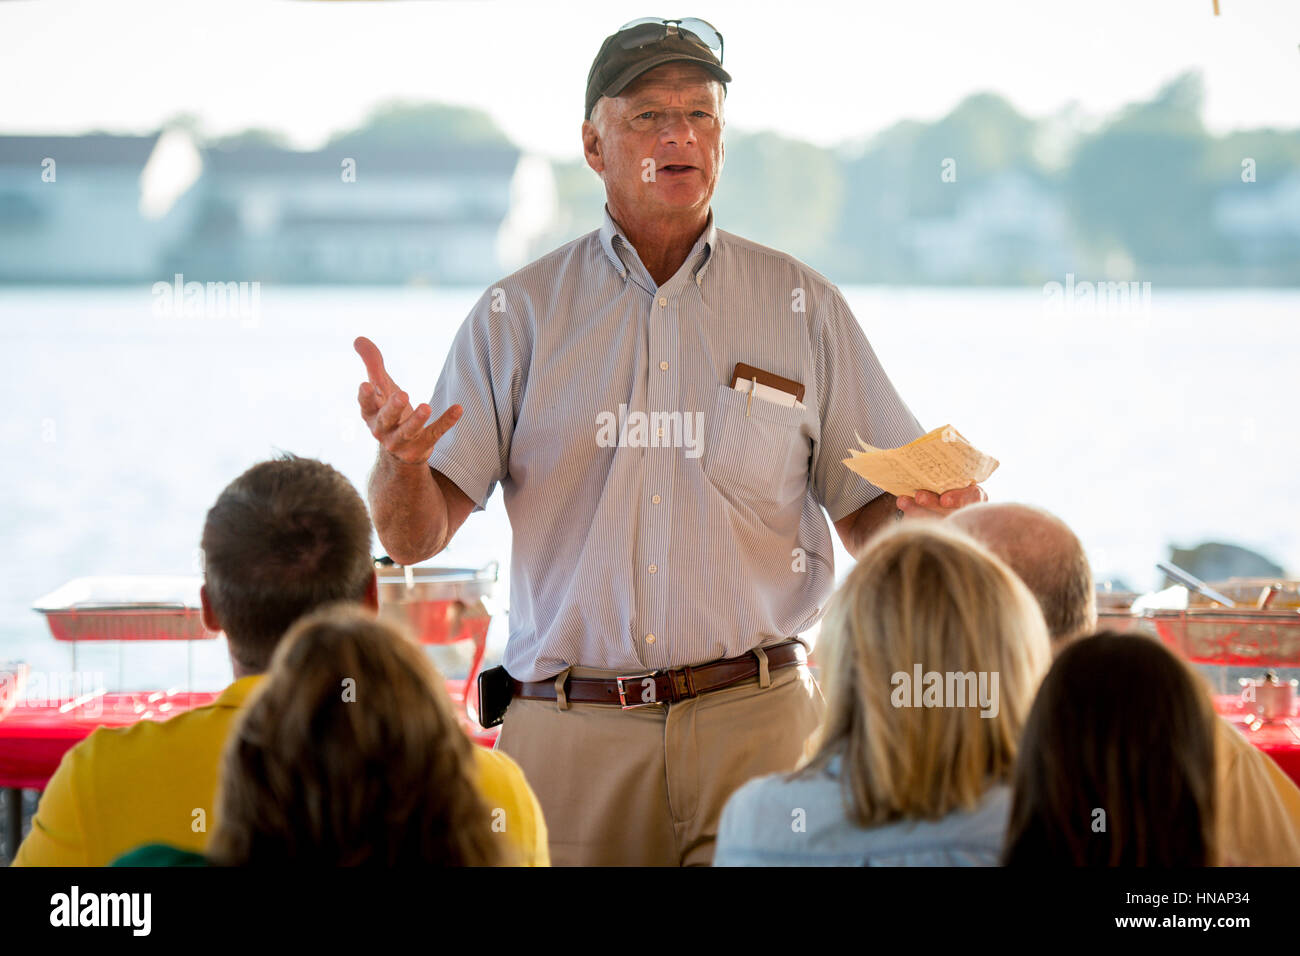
<point>1036,287</point>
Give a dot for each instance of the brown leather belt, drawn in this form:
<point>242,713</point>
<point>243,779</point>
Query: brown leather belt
<point>664,687</point>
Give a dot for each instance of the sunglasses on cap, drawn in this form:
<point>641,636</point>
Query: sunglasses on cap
<point>648,30</point>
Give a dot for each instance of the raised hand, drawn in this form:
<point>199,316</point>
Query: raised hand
<point>387,411</point>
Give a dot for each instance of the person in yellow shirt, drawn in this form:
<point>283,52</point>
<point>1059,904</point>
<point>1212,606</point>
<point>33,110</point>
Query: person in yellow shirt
<point>283,539</point>
<point>350,754</point>
<point>1258,804</point>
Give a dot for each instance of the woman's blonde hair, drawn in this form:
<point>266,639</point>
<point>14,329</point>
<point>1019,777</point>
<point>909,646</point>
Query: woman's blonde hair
<point>350,753</point>
<point>926,594</point>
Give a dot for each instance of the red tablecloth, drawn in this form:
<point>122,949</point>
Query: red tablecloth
<point>1275,738</point>
<point>34,739</point>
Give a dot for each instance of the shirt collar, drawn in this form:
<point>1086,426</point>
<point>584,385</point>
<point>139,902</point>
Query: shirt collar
<point>701,253</point>
<point>237,693</point>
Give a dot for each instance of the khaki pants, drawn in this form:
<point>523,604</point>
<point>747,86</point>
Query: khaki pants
<point>646,787</point>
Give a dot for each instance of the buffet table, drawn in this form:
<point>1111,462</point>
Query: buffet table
<point>441,607</point>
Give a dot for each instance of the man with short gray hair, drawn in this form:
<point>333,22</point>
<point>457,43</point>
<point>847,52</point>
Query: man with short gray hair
<point>666,406</point>
<point>1047,556</point>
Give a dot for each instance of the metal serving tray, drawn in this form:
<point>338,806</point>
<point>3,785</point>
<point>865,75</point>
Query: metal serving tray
<point>1244,636</point>
<point>441,605</point>
<point>126,608</point>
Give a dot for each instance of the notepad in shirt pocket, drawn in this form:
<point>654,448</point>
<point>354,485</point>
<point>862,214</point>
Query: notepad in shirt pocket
<point>768,386</point>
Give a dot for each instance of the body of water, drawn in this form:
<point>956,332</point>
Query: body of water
<point>1168,424</point>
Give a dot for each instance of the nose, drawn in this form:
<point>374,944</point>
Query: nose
<point>677,128</point>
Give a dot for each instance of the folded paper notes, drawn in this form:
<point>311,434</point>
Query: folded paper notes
<point>940,461</point>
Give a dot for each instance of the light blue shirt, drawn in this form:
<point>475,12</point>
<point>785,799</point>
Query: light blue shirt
<point>802,822</point>
<point>635,550</point>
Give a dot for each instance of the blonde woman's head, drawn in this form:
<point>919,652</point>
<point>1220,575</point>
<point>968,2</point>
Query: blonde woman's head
<point>933,649</point>
<point>350,753</point>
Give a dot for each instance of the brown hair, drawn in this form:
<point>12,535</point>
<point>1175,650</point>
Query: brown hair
<point>1117,762</point>
<point>925,594</point>
<point>350,753</point>
<point>285,537</point>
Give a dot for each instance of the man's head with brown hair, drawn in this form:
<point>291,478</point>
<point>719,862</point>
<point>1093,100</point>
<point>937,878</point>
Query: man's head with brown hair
<point>1047,556</point>
<point>284,538</point>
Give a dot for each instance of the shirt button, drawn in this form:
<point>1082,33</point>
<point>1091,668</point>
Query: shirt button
<point>663,302</point>
<point>654,568</point>
<point>649,638</point>
<point>663,366</point>
<point>656,499</point>
<point>661,433</point>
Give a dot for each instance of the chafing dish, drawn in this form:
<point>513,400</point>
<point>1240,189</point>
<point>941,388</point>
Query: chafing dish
<point>1262,631</point>
<point>447,608</point>
<point>126,608</point>
<point>440,605</point>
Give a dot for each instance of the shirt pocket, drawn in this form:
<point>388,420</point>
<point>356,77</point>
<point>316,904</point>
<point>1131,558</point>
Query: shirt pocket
<point>762,456</point>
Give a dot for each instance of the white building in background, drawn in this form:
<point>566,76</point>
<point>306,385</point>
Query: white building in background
<point>81,209</point>
<point>357,213</point>
<point>1013,218</point>
<point>1262,220</point>
<point>534,205</point>
<point>70,210</point>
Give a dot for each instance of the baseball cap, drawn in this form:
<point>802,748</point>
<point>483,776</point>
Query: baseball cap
<point>642,46</point>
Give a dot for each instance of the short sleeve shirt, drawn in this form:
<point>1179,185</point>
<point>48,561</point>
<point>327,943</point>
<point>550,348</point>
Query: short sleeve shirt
<point>660,517</point>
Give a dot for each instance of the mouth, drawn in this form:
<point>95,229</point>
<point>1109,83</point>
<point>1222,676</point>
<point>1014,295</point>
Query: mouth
<point>677,169</point>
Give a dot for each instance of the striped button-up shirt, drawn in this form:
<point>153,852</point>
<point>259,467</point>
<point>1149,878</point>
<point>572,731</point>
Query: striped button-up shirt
<point>660,517</point>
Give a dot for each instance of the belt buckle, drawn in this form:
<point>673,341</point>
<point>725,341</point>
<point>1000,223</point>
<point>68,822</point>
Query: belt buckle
<point>623,691</point>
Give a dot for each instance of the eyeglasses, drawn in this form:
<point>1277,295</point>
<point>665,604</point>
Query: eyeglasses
<point>648,30</point>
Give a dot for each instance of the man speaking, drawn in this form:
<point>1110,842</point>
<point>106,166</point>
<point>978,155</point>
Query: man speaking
<point>658,580</point>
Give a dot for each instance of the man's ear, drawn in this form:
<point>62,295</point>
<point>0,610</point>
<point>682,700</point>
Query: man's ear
<point>591,147</point>
<point>371,599</point>
<point>209,616</point>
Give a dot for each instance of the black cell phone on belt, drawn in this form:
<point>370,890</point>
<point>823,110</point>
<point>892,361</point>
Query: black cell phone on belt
<point>494,693</point>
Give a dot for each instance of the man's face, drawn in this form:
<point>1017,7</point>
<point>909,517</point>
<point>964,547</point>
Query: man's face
<point>659,146</point>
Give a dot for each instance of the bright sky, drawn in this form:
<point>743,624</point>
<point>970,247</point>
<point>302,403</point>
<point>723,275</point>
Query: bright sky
<point>825,72</point>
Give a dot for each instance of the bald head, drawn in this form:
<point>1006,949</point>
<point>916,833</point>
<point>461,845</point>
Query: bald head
<point>1047,556</point>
